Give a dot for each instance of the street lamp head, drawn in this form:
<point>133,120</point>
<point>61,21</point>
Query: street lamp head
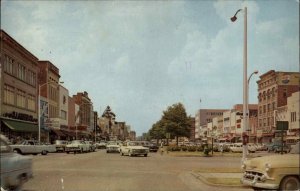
<point>256,72</point>
<point>234,17</point>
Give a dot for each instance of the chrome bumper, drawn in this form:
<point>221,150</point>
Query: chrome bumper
<point>255,183</point>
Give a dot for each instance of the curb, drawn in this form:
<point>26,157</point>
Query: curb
<point>203,179</point>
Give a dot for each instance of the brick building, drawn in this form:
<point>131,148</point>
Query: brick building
<point>273,90</point>
<point>18,95</point>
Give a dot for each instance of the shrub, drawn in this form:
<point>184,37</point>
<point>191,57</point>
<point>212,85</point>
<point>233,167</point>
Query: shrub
<point>184,148</point>
<point>200,148</point>
<point>192,149</point>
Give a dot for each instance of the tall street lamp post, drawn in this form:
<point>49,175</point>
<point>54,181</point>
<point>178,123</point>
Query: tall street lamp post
<point>247,104</point>
<point>39,105</point>
<point>244,81</point>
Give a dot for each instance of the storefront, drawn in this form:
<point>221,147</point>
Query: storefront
<point>16,130</point>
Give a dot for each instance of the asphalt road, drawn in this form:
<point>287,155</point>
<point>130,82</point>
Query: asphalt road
<point>112,172</point>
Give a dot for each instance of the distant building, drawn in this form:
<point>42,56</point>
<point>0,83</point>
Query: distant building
<point>273,90</point>
<point>84,127</point>
<point>202,118</point>
<point>192,129</point>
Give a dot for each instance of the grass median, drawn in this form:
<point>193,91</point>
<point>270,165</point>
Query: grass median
<point>226,178</point>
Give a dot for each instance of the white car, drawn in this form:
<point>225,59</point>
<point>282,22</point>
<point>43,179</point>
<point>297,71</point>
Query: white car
<point>134,148</point>
<point>33,147</point>
<point>236,148</point>
<point>252,148</point>
<point>77,146</point>
<point>15,168</point>
<point>112,147</point>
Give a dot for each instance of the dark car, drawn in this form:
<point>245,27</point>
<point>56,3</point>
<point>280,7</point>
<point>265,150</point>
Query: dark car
<point>153,147</point>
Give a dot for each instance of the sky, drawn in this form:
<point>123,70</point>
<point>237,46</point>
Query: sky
<point>139,57</point>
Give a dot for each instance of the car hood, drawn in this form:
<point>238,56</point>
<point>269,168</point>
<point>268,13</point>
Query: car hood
<point>276,161</point>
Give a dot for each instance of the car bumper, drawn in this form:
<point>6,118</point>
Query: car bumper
<point>72,149</point>
<point>257,184</point>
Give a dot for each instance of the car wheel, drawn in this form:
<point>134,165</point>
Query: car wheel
<point>121,153</point>
<point>44,152</point>
<point>290,183</point>
<point>145,155</point>
<point>18,151</point>
<point>67,152</point>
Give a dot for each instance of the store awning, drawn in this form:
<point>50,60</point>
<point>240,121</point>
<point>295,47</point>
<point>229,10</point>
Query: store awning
<point>20,126</point>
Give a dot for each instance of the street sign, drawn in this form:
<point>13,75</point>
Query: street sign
<point>282,125</point>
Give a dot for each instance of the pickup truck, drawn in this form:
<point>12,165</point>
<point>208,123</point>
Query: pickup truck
<point>15,168</point>
<point>33,147</point>
<point>134,148</point>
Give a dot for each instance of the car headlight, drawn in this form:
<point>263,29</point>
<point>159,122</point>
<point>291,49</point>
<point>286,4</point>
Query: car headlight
<point>267,167</point>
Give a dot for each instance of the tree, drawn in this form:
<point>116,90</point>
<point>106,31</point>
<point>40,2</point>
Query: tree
<point>157,131</point>
<point>176,122</point>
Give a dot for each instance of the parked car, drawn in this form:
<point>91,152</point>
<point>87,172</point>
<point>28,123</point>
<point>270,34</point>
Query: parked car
<point>60,145</point>
<point>33,147</point>
<point>101,145</point>
<point>112,147</point>
<point>236,147</point>
<point>252,147</point>
<point>92,146</point>
<point>153,147</point>
<point>77,146</point>
<point>284,148</point>
<point>273,172</point>
<point>133,148</point>
<point>15,168</point>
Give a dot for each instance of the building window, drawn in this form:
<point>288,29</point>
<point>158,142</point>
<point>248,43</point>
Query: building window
<point>293,117</point>
<point>31,102</point>
<point>31,78</point>
<point>260,122</point>
<point>21,72</point>
<point>21,99</point>
<point>274,105</point>
<point>269,107</point>
<point>260,109</point>
<point>63,114</point>
<point>265,122</point>
<point>9,95</point>
<point>264,108</point>
<point>9,65</point>
<point>284,92</point>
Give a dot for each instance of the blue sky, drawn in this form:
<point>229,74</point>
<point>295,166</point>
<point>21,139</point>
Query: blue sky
<point>140,57</point>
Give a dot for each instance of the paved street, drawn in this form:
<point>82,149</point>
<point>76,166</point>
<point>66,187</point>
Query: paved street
<point>102,171</point>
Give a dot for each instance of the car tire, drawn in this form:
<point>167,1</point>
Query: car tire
<point>121,153</point>
<point>145,155</point>
<point>67,152</point>
<point>44,152</point>
<point>18,151</point>
<point>290,183</point>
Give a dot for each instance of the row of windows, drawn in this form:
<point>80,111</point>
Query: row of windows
<point>267,83</point>
<point>293,116</point>
<point>53,111</point>
<point>266,122</point>
<point>266,95</point>
<point>267,108</point>
<point>214,113</point>
<point>19,71</point>
<point>19,98</point>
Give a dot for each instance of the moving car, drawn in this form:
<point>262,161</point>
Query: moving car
<point>134,148</point>
<point>92,146</point>
<point>15,168</point>
<point>112,147</point>
<point>77,146</point>
<point>101,145</point>
<point>33,147</point>
<point>153,147</point>
<point>273,172</point>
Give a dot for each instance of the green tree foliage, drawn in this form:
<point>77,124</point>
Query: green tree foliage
<point>157,131</point>
<point>174,121</point>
